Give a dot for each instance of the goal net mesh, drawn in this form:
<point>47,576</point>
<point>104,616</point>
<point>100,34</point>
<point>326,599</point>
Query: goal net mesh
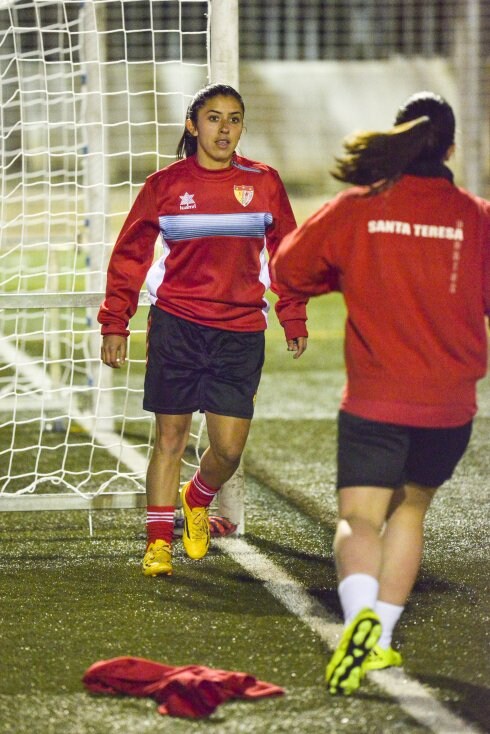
<point>93,97</point>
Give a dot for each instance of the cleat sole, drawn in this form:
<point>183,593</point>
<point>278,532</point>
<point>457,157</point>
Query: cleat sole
<point>345,670</point>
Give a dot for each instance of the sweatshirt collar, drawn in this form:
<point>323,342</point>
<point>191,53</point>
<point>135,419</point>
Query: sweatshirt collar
<point>211,173</point>
<point>429,169</point>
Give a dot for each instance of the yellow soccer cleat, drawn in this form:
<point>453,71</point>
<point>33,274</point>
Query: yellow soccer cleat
<point>196,534</point>
<point>380,658</point>
<point>345,670</point>
<point>158,559</point>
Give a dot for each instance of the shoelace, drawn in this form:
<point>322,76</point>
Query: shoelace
<point>160,551</point>
<point>200,522</point>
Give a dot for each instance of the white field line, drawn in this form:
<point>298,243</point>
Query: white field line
<point>410,695</point>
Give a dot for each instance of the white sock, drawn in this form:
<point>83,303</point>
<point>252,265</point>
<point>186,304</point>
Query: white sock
<point>356,592</point>
<point>389,615</point>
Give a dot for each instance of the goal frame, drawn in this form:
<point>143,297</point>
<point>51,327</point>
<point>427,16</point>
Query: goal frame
<point>223,66</point>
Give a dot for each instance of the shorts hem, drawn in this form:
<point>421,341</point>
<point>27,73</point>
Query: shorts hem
<point>170,411</point>
<point>377,485</point>
<point>180,411</point>
<point>228,414</point>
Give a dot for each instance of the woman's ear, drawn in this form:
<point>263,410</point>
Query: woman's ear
<point>189,126</point>
<point>450,152</point>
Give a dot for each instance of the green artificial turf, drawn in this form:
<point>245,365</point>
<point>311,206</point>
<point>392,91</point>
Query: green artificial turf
<point>68,599</point>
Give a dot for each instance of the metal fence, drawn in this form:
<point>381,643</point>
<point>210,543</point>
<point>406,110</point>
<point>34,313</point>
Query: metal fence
<point>397,45</point>
<point>345,29</point>
<point>293,30</point>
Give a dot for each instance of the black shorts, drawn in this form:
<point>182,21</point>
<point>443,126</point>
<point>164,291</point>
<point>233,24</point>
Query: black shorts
<point>375,454</point>
<point>192,367</point>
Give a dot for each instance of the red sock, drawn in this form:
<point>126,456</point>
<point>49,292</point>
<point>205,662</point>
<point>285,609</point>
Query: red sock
<point>159,523</point>
<point>199,493</point>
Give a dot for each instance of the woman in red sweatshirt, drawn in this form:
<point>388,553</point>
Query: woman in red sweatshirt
<point>218,214</point>
<point>410,252</point>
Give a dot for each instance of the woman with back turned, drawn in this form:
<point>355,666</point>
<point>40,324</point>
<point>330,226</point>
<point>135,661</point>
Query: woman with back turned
<point>218,214</point>
<point>410,252</point>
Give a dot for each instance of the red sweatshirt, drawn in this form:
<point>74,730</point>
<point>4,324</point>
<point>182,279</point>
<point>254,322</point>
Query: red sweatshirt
<point>192,691</point>
<point>413,264</point>
<point>216,228</point>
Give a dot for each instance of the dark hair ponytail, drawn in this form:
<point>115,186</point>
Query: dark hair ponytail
<point>424,131</point>
<point>372,157</point>
<point>188,144</point>
<point>442,122</point>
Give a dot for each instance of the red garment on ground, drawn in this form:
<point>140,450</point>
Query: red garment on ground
<point>193,691</point>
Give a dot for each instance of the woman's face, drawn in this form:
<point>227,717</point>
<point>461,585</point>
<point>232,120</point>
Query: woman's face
<point>218,129</point>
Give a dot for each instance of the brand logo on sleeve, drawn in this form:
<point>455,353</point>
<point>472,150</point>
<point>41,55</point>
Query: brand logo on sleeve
<point>244,194</point>
<point>187,202</point>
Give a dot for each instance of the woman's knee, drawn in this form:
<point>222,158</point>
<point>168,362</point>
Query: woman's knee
<point>173,447</point>
<point>171,436</point>
<point>358,522</point>
<point>412,499</point>
<point>228,455</point>
<point>364,506</point>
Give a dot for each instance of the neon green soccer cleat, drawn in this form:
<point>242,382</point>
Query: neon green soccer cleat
<point>345,669</point>
<point>158,559</point>
<point>195,535</point>
<point>380,658</point>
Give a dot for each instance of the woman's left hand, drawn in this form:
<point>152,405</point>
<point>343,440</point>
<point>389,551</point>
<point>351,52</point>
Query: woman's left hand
<point>298,346</point>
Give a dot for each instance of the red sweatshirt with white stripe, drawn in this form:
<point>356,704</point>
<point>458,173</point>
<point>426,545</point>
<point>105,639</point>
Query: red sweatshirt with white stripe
<point>218,229</point>
<point>413,264</point>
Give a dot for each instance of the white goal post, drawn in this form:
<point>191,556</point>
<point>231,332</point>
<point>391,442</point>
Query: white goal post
<point>93,99</point>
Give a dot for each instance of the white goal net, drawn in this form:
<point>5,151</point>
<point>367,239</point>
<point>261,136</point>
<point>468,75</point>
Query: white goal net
<point>93,98</point>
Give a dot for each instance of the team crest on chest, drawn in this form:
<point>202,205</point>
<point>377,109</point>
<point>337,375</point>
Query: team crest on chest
<point>244,194</point>
<point>187,201</point>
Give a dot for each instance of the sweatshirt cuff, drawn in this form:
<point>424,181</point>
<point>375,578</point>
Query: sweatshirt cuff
<point>112,329</point>
<point>294,328</point>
